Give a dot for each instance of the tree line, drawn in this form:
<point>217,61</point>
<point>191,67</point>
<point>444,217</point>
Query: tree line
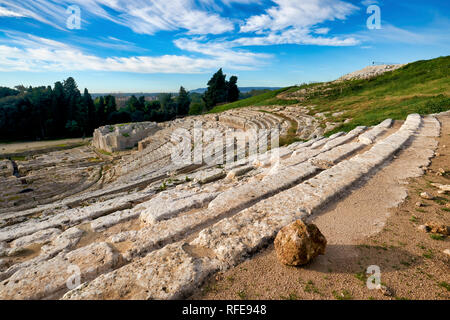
<point>63,111</point>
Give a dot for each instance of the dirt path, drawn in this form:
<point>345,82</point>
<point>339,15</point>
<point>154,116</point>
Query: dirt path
<point>373,225</point>
<point>8,149</point>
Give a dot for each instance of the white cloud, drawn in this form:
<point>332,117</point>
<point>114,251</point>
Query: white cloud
<point>223,52</point>
<point>142,16</point>
<point>435,35</point>
<point>298,14</point>
<point>8,13</point>
<point>367,3</point>
<point>295,36</point>
<point>295,22</point>
<point>321,30</point>
<point>40,54</point>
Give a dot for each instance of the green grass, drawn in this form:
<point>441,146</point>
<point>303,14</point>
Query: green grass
<point>440,200</point>
<point>437,236</point>
<point>242,295</point>
<point>445,285</point>
<point>106,153</point>
<point>291,296</point>
<point>265,99</point>
<point>291,135</point>
<point>19,158</point>
<point>345,295</point>
<point>421,87</point>
<point>361,276</point>
<point>163,186</point>
<point>429,254</point>
<point>13,198</point>
<point>311,288</point>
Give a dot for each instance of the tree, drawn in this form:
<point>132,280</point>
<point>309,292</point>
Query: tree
<point>21,88</point>
<point>88,107</point>
<point>153,105</point>
<point>119,117</point>
<point>5,92</point>
<point>220,91</point>
<point>137,116</point>
<point>233,90</point>
<point>72,96</point>
<point>101,117</point>
<point>110,106</point>
<point>183,102</point>
<point>58,110</point>
<point>217,91</point>
<point>72,128</point>
<point>168,107</point>
<point>132,104</point>
<point>39,102</point>
<point>141,103</point>
<point>196,108</point>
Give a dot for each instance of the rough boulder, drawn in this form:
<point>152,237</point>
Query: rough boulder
<point>298,243</point>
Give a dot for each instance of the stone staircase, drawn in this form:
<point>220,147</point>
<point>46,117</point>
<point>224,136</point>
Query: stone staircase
<point>146,237</point>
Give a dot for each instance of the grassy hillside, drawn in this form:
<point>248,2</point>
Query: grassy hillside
<point>420,87</point>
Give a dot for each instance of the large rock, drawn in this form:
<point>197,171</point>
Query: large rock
<point>123,136</point>
<point>436,227</point>
<point>298,243</point>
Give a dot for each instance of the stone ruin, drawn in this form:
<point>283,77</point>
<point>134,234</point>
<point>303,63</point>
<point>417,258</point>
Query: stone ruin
<point>119,137</point>
<point>370,72</point>
<point>145,227</point>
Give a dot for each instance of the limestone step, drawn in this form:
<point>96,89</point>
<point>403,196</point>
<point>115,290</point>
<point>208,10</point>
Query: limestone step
<point>71,217</point>
<point>168,204</point>
<point>370,136</point>
<point>170,273</point>
<point>49,279</point>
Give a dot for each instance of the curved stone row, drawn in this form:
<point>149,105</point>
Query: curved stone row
<point>162,273</point>
<point>47,178</point>
<point>112,217</point>
<point>228,205</point>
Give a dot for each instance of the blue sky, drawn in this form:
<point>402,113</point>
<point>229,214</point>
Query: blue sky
<point>158,45</point>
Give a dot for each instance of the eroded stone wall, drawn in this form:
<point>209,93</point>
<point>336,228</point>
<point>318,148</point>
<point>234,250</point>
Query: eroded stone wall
<point>122,136</point>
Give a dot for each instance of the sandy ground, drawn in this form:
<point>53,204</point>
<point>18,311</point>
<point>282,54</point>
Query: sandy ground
<point>19,147</point>
<point>375,224</point>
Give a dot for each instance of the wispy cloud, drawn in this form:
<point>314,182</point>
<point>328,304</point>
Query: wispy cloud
<point>198,22</point>
<point>367,3</point>
<point>295,22</point>
<point>296,36</point>
<point>391,34</point>
<point>40,54</point>
<point>142,16</point>
<point>298,14</point>
<point>4,12</point>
